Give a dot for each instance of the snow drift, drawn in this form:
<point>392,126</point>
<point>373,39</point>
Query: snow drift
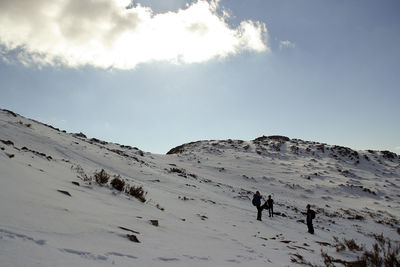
<point>196,208</point>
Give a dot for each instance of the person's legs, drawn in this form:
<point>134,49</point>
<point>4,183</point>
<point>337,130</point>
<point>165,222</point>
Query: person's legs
<point>310,228</point>
<point>259,210</point>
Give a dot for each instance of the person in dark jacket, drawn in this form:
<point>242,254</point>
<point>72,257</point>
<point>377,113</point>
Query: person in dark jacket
<point>257,202</point>
<point>310,217</point>
<point>270,203</point>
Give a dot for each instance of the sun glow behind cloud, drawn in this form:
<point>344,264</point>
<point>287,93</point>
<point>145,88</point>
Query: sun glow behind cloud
<point>105,34</point>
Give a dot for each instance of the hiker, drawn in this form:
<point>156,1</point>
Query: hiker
<point>270,203</point>
<point>257,202</point>
<point>310,217</point>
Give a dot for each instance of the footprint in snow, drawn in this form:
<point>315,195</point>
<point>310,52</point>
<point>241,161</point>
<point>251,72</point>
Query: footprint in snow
<point>196,258</point>
<point>121,255</point>
<point>167,259</point>
<point>8,234</point>
<point>84,254</point>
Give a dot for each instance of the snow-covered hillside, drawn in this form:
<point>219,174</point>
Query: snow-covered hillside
<point>198,209</point>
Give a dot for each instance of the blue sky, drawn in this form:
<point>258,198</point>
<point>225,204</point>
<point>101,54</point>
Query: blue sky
<point>325,71</point>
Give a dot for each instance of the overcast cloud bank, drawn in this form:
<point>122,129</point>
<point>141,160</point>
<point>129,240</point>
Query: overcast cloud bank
<point>106,34</point>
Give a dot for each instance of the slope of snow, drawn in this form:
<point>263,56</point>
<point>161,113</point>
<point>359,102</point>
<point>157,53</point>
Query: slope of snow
<point>199,193</point>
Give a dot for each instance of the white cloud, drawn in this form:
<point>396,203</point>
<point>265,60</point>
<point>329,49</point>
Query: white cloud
<point>104,34</point>
<point>397,148</point>
<point>286,44</point>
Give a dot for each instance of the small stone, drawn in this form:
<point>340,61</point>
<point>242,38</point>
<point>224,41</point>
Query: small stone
<point>133,238</point>
<point>64,192</point>
<point>154,222</point>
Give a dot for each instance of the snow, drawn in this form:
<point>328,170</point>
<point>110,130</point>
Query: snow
<point>201,198</point>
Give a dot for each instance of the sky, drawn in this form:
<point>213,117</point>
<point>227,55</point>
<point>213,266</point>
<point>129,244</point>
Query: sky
<point>157,74</point>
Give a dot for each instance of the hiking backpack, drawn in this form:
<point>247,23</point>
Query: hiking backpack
<point>254,201</point>
<point>312,214</point>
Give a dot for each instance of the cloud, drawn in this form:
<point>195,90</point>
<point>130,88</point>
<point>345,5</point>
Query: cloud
<point>286,44</point>
<point>106,34</point>
<point>397,148</point>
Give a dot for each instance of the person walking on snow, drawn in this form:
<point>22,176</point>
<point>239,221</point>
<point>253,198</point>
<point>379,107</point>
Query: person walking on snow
<point>310,217</point>
<point>257,202</point>
<point>270,203</point>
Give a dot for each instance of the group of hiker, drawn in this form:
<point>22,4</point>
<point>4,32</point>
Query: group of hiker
<point>269,205</point>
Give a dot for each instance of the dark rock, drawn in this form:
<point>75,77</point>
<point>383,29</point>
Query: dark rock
<point>272,137</point>
<point>8,143</point>
<point>325,244</point>
<point>154,222</point>
<point>80,135</point>
<point>127,229</point>
<point>133,238</point>
<point>180,149</point>
<point>388,155</point>
<point>64,192</point>
<point>10,112</point>
<point>95,140</point>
